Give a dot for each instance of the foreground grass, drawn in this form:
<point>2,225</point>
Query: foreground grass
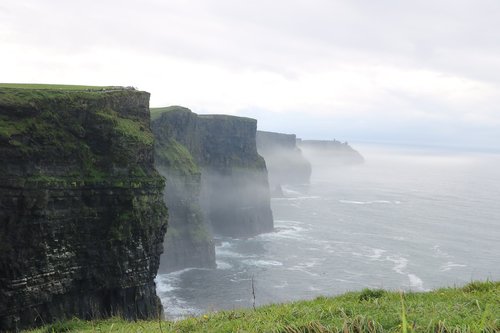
<point>473,308</point>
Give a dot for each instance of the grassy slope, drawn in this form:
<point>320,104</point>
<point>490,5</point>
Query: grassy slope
<point>473,308</point>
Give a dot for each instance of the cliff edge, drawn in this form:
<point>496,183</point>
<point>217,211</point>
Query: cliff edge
<point>82,218</point>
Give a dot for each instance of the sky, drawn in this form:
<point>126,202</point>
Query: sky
<point>408,72</point>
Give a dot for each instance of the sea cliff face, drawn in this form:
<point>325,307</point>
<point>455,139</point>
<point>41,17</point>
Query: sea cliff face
<point>82,217</point>
<point>284,160</point>
<point>188,242</point>
<point>234,195</point>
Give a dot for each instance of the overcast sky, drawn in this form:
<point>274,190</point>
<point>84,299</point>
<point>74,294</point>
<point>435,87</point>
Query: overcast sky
<point>400,71</point>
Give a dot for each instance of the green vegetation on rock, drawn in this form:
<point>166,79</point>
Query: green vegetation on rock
<point>473,308</point>
<point>157,112</point>
<point>175,156</point>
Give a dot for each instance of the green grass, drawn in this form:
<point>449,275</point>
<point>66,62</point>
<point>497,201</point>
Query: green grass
<point>157,112</point>
<point>39,86</point>
<point>473,308</point>
<point>175,156</point>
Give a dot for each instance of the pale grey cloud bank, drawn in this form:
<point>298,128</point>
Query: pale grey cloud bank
<point>403,71</point>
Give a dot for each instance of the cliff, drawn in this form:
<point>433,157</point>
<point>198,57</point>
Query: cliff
<point>284,160</point>
<point>188,242</point>
<point>234,195</point>
<point>82,218</point>
<point>329,153</point>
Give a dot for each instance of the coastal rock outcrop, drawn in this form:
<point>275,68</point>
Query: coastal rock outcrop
<point>82,217</point>
<point>329,153</point>
<point>234,194</point>
<point>284,160</point>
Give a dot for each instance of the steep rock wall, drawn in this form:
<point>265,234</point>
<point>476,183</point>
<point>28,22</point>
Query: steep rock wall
<point>188,242</point>
<point>284,160</point>
<point>82,218</point>
<point>234,187</point>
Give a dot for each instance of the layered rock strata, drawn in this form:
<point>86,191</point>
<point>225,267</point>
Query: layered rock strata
<point>82,217</point>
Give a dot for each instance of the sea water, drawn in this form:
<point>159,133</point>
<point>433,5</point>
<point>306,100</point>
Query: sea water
<point>404,220</point>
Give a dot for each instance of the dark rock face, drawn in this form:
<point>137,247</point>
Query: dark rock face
<point>234,194</point>
<point>188,242</point>
<point>82,218</point>
<point>284,160</point>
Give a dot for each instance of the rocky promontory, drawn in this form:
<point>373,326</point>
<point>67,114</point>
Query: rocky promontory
<point>329,153</point>
<point>82,218</point>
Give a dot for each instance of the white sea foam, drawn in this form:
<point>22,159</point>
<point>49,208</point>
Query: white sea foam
<point>376,254</point>
<point>224,251</point>
<point>223,265</point>
<point>416,282</point>
<point>450,265</point>
<point>353,202</point>
<point>164,284</point>
<point>290,230</point>
<point>438,253</point>
<point>365,202</point>
<point>400,263</point>
<point>262,263</point>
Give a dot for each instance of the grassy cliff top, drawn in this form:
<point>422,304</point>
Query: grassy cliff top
<point>39,86</point>
<point>157,112</point>
<point>226,117</point>
<point>473,308</point>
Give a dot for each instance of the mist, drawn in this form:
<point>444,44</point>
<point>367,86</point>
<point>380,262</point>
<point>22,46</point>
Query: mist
<point>236,202</point>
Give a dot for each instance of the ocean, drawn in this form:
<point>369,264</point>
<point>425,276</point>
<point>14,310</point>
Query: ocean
<point>406,219</point>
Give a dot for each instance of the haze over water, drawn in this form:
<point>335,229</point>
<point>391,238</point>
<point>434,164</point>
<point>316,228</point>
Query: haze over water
<point>405,219</point>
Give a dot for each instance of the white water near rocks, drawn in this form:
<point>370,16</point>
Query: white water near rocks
<point>403,220</point>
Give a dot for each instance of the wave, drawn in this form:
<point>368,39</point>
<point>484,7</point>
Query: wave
<point>223,265</point>
<point>400,263</point>
<point>416,282</point>
<point>377,254</point>
<point>285,229</point>
<point>305,197</point>
<point>450,265</point>
<point>262,263</point>
<point>438,253</point>
<point>369,202</point>
<point>224,250</point>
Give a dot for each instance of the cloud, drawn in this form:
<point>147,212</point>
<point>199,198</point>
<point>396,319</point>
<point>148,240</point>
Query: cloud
<point>417,66</point>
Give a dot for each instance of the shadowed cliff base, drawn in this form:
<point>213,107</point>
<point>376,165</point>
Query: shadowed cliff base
<point>82,218</point>
<point>217,155</point>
